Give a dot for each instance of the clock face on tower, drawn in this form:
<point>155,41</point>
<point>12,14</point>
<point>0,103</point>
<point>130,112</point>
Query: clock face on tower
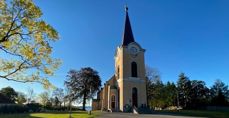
<point>134,50</point>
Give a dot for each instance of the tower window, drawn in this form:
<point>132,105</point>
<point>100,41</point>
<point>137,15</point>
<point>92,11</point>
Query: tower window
<point>134,70</point>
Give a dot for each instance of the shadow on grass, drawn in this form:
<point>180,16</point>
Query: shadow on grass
<point>24,115</point>
<point>195,113</point>
<point>40,114</point>
<point>75,114</point>
<point>65,112</point>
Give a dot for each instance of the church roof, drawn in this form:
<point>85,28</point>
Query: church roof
<point>127,34</point>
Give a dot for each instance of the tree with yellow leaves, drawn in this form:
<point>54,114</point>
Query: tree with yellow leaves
<point>25,51</point>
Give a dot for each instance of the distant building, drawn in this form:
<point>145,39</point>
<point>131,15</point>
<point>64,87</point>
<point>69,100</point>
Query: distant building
<point>127,87</point>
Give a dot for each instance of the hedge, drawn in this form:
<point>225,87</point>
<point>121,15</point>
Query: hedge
<point>13,108</point>
<point>16,108</point>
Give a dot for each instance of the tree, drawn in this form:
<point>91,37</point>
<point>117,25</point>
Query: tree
<point>184,90</point>
<point>44,98</point>
<point>152,75</point>
<point>152,78</point>
<point>157,95</point>
<point>170,94</point>
<point>199,94</point>
<point>65,99</point>
<point>58,93</point>
<point>56,101</point>
<point>219,93</point>
<point>162,95</point>
<point>30,95</point>
<point>9,93</point>
<point>21,98</point>
<point>68,97</point>
<point>4,99</point>
<point>83,83</point>
<point>25,38</point>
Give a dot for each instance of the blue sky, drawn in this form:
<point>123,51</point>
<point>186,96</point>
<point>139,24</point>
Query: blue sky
<point>190,36</point>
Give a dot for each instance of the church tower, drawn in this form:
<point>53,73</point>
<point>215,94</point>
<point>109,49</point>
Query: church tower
<point>126,89</point>
<point>130,70</point>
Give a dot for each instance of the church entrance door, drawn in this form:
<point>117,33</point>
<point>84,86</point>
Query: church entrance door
<point>134,97</point>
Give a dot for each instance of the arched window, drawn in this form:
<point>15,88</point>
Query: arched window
<point>134,70</point>
<point>112,101</point>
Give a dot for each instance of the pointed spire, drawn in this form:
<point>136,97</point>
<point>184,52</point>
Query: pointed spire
<point>127,35</point>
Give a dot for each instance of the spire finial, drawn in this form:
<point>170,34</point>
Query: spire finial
<point>126,8</point>
<point>128,36</point>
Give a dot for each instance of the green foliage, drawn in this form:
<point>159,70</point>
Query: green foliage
<point>199,93</point>
<point>10,94</point>
<point>21,98</point>
<point>189,94</point>
<point>171,94</point>
<point>184,90</point>
<point>162,95</point>
<point>159,94</point>
<point>25,38</point>
<point>83,83</point>
<point>192,94</point>
<point>219,93</point>
<point>34,107</point>
<point>13,108</point>
<point>4,99</point>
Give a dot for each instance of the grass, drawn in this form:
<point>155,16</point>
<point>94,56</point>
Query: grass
<point>78,114</point>
<point>198,113</point>
<point>84,114</point>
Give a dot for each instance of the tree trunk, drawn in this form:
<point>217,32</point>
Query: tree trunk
<point>84,101</point>
<point>69,104</point>
<point>70,109</point>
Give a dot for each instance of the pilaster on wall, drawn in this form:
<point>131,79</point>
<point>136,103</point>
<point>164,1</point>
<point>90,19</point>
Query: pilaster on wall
<point>109,101</point>
<point>121,94</point>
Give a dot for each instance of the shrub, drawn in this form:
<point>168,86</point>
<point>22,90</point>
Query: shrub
<point>13,108</point>
<point>34,107</point>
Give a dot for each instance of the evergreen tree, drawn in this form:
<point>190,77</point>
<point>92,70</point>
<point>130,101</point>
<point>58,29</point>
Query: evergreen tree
<point>171,94</point>
<point>199,94</point>
<point>219,93</point>
<point>184,90</point>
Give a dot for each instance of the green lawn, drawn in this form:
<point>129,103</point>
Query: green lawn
<point>78,114</point>
<point>199,113</point>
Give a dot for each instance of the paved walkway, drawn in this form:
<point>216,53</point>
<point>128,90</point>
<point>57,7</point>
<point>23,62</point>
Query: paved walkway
<point>131,115</point>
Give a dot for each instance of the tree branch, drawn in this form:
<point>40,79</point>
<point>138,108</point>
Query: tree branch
<point>21,81</point>
<point>11,26</point>
<point>16,70</point>
<point>14,54</point>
